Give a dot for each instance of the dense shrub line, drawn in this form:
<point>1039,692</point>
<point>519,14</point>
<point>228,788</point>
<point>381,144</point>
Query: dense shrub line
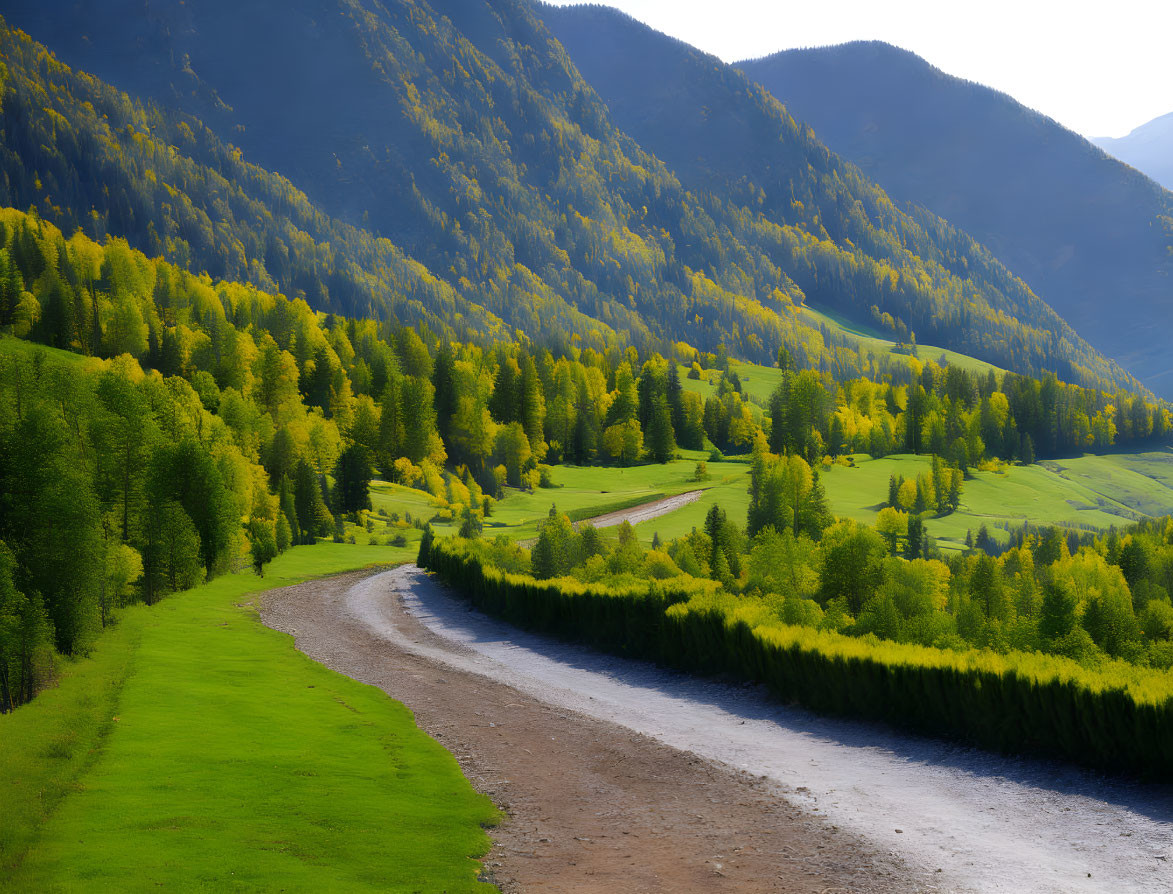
<point>1117,718</point>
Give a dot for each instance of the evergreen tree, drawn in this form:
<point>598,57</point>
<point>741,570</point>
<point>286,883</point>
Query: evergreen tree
<point>674,392</point>
<point>660,442</point>
<point>914,547</point>
<point>313,518</point>
<point>352,480</point>
<point>444,393</point>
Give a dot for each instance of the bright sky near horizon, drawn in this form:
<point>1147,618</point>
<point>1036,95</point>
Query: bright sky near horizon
<point>1099,68</point>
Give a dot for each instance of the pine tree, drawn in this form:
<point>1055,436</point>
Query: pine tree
<point>532,407</point>
<point>505,403</point>
<point>674,392</point>
<point>914,548</point>
<point>444,394</point>
<point>661,443</point>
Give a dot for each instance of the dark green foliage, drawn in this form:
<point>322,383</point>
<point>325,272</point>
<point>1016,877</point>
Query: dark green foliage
<point>262,544</point>
<point>785,494</point>
<point>184,475</point>
<point>352,480</point>
<point>313,518</point>
<point>1059,612</point>
<point>49,515</point>
<point>558,548</point>
<point>1001,708</point>
<point>853,565</point>
<point>26,639</point>
<point>914,547</point>
<point>171,551</point>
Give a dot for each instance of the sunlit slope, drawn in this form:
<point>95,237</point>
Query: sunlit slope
<point>509,190</point>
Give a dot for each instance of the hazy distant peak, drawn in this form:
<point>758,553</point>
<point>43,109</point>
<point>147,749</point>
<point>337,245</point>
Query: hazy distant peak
<point>1148,148</point>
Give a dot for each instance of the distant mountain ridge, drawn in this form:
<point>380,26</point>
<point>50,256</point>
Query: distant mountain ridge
<point>478,183</point>
<point>1091,236</point>
<point>1148,148</point>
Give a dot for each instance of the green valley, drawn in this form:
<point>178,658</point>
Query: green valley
<point>196,748</point>
<point>433,305</point>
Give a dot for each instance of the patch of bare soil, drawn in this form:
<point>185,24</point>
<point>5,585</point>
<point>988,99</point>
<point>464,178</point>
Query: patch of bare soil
<point>591,806</point>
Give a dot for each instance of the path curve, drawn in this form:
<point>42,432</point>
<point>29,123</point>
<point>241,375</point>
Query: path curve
<point>592,806</point>
<point>973,821</point>
<point>644,511</point>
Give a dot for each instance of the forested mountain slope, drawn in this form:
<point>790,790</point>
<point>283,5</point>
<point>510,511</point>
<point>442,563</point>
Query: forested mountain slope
<point>90,157</point>
<point>464,134</point>
<point>1148,148</point>
<point>1091,236</point>
<point>723,135</point>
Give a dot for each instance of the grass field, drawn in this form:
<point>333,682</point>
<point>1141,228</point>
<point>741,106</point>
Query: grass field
<point>1089,492</point>
<point>1093,492</point>
<point>877,343</point>
<point>19,347</point>
<point>584,492</point>
<point>580,491</point>
<point>198,750</point>
<point>1141,481</point>
<point>758,382</point>
<point>727,487</point>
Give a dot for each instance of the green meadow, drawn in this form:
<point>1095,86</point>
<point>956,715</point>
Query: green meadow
<point>196,749</point>
<point>1086,493</point>
<point>875,342</point>
<point>581,492</point>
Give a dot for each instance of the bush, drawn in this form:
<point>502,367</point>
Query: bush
<point>1117,718</point>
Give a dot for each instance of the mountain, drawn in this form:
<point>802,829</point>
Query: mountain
<point>1148,148</point>
<point>724,135</point>
<point>1091,236</point>
<point>457,149</point>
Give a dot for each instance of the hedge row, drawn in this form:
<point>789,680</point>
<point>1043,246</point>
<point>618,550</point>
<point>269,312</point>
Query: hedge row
<point>1119,720</point>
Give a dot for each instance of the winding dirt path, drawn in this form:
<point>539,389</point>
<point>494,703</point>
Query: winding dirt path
<point>644,511</point>
<point>639,779</point>
<point>591,805</point>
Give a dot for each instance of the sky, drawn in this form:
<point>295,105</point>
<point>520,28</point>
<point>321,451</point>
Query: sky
<point>1099,68</point>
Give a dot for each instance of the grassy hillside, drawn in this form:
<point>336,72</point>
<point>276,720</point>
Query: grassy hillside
<point>1090,493</point>
<point>875,342</point>
<point>1017,495</point>
<point>580,491</point>
<point>198,749</point>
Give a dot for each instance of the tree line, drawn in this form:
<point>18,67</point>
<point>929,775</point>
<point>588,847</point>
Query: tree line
<point>1093,599</point>
<point>215,424</point>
